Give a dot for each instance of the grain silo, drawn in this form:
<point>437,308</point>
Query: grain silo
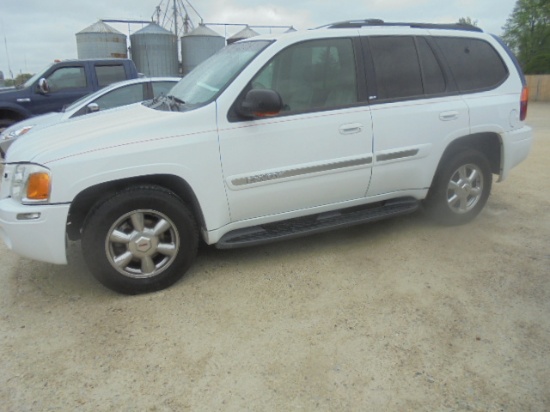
<point>155,51</point>
<point>100,41</point>
<point>199,45</point>
<point>245,33</point>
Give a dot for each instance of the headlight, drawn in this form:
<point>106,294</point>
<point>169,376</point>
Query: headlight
<point>16,133</point>
<point>31,184</point>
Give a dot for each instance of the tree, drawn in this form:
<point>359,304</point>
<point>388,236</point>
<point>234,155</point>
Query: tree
<point>527,32</point>
<point>19,79</point>
<point>467,20</point>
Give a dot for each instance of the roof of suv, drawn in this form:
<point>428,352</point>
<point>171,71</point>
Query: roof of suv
<point>349,24</point>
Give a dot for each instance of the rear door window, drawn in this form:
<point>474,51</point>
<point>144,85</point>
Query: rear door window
<point>110,74</point>
<point>432,74</point>
<point>396,67</point>
<point>405,67</point>
<point>120,97</point>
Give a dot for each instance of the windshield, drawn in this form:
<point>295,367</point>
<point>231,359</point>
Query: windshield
<point>209,78</point>
<point>34,78</point>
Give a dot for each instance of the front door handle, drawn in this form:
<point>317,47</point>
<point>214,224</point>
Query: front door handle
<point>351,128</point>
<point>446,116</point>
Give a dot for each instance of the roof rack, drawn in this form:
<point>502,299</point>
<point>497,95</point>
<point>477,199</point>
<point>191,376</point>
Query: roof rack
<point>350,24</point>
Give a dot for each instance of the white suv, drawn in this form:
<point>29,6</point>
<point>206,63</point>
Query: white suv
<point>273,138</point>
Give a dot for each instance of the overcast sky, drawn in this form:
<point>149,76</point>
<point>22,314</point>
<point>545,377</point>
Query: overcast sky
<point>35,32</point>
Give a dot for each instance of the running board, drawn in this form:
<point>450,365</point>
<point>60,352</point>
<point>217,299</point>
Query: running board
<point>322,222</point>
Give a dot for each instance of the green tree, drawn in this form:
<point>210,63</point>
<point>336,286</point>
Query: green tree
<point>527,32</point>
<point>467,20</point>
<point>19,79</point>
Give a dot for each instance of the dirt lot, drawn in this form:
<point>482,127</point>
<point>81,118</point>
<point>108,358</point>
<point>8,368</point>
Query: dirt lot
<point>399,315</point>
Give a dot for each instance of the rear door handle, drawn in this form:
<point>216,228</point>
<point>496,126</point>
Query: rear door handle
<point>351,128</point>
<point>446,116</point>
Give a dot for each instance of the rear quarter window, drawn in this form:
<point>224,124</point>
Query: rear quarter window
<point>474,63</point>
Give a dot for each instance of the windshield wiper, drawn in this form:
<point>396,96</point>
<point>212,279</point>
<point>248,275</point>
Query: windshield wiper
<point>172,102</point>
<point>176,99</point>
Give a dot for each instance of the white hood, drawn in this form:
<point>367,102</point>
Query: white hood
<point>114,127</point>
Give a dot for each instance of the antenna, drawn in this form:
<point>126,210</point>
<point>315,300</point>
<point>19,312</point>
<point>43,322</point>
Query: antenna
<point>175,15</point>
<point>8,56</point>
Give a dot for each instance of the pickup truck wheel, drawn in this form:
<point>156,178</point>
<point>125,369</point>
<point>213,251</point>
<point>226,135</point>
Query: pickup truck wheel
<point>460,188</point>
<point>140,240</point>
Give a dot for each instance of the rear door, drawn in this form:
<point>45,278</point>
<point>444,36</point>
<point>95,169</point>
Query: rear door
<point>416,111</point>
<point>317,152</point>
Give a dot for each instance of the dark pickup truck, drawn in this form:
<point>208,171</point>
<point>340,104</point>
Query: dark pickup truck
<point>60,84</point>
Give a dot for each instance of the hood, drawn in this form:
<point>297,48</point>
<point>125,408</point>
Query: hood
<point>7,92</point>
<point>91,132</point>
<point>36,122</point>
<point>8,136</point>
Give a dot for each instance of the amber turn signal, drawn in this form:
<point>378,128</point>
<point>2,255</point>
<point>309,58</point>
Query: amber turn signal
<point>38,187</point>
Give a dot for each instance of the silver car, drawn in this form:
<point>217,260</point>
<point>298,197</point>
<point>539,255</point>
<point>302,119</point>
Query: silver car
<point>114,95</point>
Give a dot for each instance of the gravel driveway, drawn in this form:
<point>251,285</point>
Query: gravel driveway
<point>393,316</point>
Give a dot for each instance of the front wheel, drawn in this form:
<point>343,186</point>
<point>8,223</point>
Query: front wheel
<point>460,188</point>
<point>140,240</point>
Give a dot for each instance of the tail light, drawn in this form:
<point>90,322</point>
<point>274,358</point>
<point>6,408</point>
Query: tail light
<point>523,103</point>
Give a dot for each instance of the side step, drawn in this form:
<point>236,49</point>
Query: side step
<point>322,222</point>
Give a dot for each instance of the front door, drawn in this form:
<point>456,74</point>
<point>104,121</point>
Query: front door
<point>66,84</point>
<point>317,152</point>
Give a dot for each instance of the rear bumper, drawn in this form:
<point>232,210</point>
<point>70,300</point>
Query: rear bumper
<point>516,145</point>
<point>37,232</point>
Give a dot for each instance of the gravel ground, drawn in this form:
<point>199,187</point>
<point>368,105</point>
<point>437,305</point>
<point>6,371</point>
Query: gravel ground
<point>393,316</point>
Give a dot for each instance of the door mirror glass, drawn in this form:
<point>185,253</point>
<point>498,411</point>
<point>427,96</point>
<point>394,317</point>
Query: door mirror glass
<point>92,108</point>
<point>43,86</point>
<point>260,103</point>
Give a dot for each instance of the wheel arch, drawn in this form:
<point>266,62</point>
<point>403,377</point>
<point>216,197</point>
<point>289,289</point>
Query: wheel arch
<point>489,144</point>
<point>8,113</point>
<point>86,200</point>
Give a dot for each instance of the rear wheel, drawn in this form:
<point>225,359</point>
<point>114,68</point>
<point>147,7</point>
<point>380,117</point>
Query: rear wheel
<point>460,189</point>
<point>140,240</point>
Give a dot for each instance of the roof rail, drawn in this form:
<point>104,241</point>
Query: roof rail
<point>350,24</point>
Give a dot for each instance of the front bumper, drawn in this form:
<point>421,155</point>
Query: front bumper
<point>36,232</point>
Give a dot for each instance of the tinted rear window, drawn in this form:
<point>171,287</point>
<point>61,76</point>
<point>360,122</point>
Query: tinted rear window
<point>475,64</point>
<point>432,75</point>
<point>109,74</point>
<point>405,68</point>
<point>396,66</point>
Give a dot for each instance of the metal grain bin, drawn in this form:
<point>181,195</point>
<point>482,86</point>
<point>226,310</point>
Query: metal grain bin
<point>199,45</point>
<point>245,33</point>
<point>155,51</point>
<point>101,41</point>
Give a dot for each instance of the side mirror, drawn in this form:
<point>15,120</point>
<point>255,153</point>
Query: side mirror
<point>92,108</point>
<point>43,86</point>
<point>260,103</point>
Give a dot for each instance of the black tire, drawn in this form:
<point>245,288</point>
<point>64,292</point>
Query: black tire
<point>150,234</point>
<point>460,188</point>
